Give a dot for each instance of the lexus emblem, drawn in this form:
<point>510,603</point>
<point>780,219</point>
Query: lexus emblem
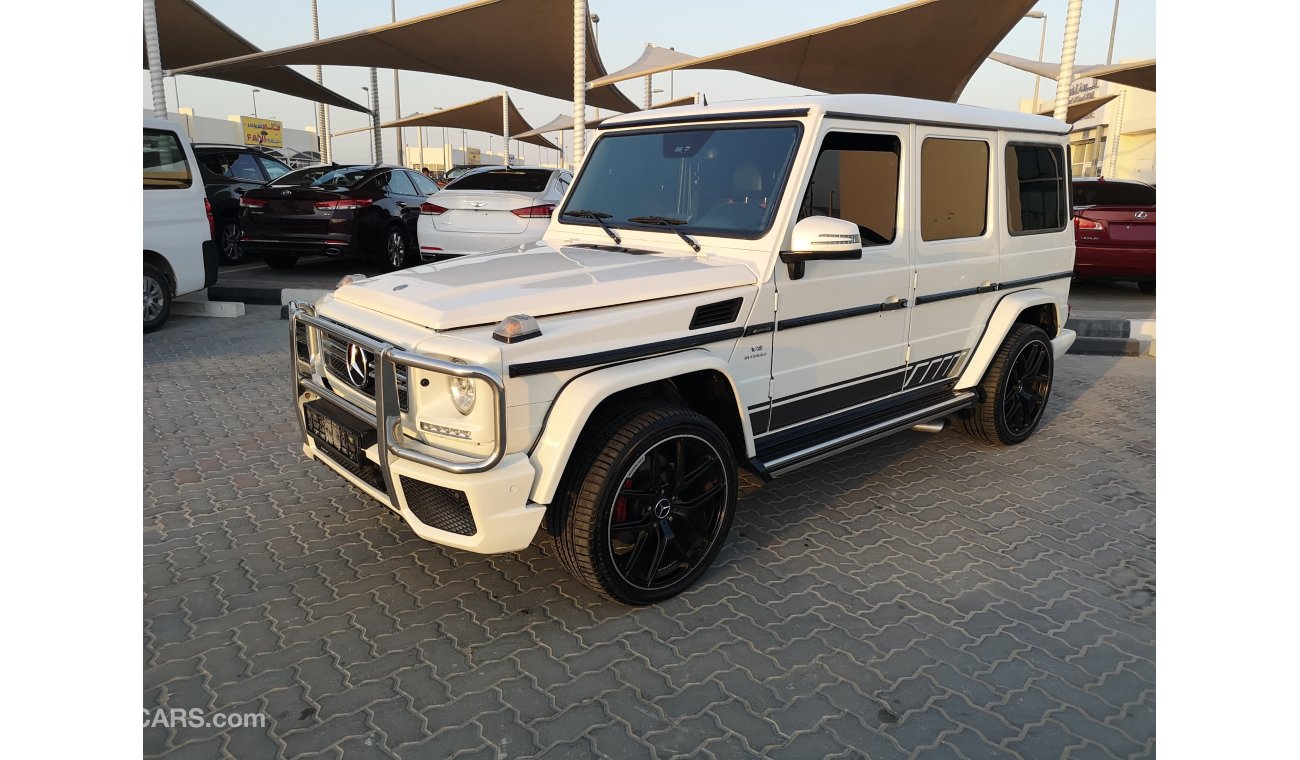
<point>358,365</point>
<point>1140,215</point>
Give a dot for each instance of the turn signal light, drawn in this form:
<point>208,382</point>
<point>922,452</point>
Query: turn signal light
<point>1081,223</point>
<point>345,204</point>
<point>535,212</point>
<point>432,209</point>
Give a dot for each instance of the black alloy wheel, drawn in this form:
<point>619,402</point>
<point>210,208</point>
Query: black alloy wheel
<point>666,513</point>
<point>1015,389</point>
<point>647,502</point>
<point>228,236</point>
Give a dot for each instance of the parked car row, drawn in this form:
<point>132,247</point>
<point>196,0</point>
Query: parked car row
<point>1115,231</point>
<point>388,213</point>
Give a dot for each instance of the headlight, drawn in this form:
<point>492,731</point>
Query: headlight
<point>462,392</point>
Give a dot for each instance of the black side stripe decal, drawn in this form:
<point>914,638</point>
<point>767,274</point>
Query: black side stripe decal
<point>622,354</point>
<point>934,297</point>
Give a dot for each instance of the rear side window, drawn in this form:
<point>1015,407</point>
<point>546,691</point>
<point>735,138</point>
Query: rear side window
<point>856,178</point>
<point>505,180</point>
<point>954,188</point>
<point>1036,176</point>
<point>245,167</point>
<point>399,184</point>
<point>1104,193</point>
<point>165,165</point>
<point>273,169</point>
<point>423,184</point>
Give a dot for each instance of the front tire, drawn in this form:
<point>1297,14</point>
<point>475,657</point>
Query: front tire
<point>648,503</point>
<point>1015,388</point>
<point>157,298</point>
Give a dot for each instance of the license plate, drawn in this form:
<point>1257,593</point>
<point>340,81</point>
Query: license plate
<point>332,427</point>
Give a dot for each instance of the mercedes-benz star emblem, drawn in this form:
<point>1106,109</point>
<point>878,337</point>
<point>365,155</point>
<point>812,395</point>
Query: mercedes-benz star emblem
<point>662,509</point>
<point>1139,215</point>
<point>358,365</point>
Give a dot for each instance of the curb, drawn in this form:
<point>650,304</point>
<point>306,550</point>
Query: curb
<point>1113,337</point>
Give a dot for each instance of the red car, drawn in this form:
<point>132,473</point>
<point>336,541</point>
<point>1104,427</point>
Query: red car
<point>1115,231</point>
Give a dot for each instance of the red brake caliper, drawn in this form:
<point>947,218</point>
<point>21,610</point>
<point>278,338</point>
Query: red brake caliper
<point>620,506</point>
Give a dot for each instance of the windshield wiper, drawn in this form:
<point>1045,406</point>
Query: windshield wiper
<point>670,223</point>
<point>600,217</point>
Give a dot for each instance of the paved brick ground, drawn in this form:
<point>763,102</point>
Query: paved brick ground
<point>925,597</point>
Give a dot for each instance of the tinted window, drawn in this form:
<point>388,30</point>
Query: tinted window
<point>165,165</point>
<point>1110,193</point>
<point>1035,188</point>
<point>856,178</point>
<point>273,169</point>
<point>719,180</point>
<point>334,176</point>
<point>245,167</point>
<point>423,185</point>
<point>399,183</point>
<point>505,180</point>
<point>954,188</point>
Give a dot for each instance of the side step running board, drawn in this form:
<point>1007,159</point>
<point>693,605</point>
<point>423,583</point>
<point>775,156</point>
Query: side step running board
<point>786,462</point>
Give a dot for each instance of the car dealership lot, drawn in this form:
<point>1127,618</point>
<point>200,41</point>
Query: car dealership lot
<point>924,592</point>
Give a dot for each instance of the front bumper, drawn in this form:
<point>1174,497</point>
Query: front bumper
<point>480,505</point>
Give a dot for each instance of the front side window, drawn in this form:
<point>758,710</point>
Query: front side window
<point>724,181</point>
<point>954,188</point>
<point>856,178</point>
<point>1036,176</point>
<point>165,165</point>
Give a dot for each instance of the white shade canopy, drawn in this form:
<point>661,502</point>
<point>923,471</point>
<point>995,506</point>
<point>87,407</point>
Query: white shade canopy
<point>1139,74</point>
<point>481,116</point>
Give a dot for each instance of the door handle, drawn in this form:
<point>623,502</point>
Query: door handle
<point>402,204</point>
<point>893,303</point>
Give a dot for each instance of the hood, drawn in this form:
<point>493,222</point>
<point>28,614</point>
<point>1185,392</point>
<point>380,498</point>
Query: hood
<point>536,280</point>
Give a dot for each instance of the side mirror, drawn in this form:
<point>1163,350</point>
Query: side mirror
<point>821,238</point>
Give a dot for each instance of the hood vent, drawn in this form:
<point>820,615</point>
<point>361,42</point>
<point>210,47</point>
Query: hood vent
<point>714,314</point>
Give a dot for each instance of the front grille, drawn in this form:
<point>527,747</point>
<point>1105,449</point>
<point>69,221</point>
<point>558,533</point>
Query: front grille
<point>336,363</point>
<point>438,507</point>
<point>368,473</point>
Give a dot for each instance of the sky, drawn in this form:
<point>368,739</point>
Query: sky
<point>697,27</point>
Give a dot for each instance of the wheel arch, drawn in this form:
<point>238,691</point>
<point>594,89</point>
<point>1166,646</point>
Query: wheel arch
<point>155,259</point>
<point>695,379</point>
<point>1033,306</point>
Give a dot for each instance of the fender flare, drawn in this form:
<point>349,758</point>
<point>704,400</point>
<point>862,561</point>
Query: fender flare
<point>999,324</point>
<point>572,409</point>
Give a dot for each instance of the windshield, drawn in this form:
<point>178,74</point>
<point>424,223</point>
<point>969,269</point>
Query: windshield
<point>505,180</point>
<point>724,181</point>
<point>1111,193</point>
<point>319,176</point>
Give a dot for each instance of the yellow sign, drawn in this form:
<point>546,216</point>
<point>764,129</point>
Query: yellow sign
<point>473,156</point>
<point>265,132</point>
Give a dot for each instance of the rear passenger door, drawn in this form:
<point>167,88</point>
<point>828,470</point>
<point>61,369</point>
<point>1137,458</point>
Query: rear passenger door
<point>954,250</point>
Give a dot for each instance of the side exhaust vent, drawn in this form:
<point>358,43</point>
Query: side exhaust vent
<point>713,314</point>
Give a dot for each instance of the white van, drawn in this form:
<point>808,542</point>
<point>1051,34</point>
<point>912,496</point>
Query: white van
<point>179,254</point>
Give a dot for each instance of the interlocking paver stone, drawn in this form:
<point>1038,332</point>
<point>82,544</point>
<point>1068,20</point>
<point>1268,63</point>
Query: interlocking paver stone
<point>924,596</point>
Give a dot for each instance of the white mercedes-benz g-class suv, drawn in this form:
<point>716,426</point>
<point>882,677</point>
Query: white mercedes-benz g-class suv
<point>761,284</point>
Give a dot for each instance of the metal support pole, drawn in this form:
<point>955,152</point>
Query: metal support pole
<point>1113,138</point>
<point>505,123</point>
<point>322,111</point>
<point>420,160</point>
<point>1114,19</point>
<point>1069,45</point>
<point>579,79</point>
<point>397,105</point>
<point>649,94</point>
<point>1042,42</point>
<point>375,136</point>
<point>154,52</point>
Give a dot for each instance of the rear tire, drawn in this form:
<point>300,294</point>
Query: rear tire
<point>394,248</point>
<point>228,234</point>
<point>157,298</point>
<point>1014,390</point>
<point>647,503</point>
<point>281,260</point>
<point>1147,287</point>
